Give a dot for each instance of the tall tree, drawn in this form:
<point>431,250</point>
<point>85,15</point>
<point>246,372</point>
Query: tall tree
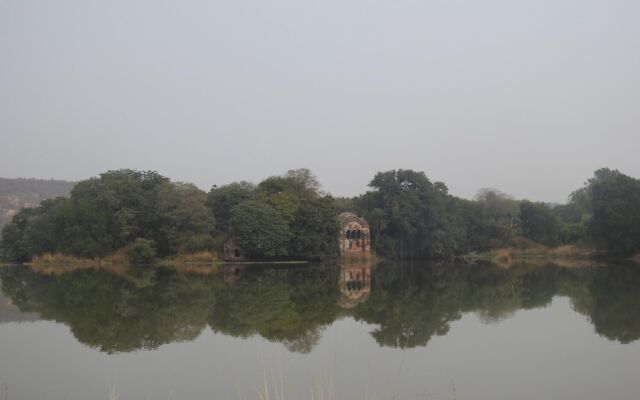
<point>538,223</point>
<point>221,201</point>
<point>411,217</point>
<point>259,229</point>
<point>184,217</point>
<point>315,230</point>
<point>615,201</point>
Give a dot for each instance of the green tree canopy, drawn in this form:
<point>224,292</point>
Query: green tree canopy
<point>411,217</point>
<point>306,225</point>
<point>615,202</point>
<point>538,223</point>
<point>221,201</point>
<point>107,213</point>
<point>184,216</point>
<point>259,229</point>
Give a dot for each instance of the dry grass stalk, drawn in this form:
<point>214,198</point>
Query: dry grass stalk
<point>565,256</point>
<point>199,257</point>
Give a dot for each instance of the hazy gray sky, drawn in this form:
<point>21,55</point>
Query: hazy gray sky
<point>526,96</point>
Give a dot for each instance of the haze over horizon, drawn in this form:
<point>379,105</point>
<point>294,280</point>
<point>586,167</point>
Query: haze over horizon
<point>529,97</point>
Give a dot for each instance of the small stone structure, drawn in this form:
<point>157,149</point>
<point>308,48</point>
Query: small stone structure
<point>355,235</point>
<point>232,251</point>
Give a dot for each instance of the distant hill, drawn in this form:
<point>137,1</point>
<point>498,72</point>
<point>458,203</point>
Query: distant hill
<point>18,193</point>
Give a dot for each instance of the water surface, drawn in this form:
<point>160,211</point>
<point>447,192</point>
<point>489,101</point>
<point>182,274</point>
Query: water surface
<point>404,331</point>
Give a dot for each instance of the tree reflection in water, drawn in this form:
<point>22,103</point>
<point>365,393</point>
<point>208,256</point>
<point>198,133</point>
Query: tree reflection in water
<point>407,304</point>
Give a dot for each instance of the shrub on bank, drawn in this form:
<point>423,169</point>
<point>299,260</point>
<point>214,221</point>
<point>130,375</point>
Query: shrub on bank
<point>141,251</point>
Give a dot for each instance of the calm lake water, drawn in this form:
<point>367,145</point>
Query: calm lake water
<point>391,331</point>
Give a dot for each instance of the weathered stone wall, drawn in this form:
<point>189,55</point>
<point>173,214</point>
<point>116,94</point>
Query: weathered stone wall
<point>231,252</point>
<point>355,235</point>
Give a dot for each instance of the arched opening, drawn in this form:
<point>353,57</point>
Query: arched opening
<point>348,234</point>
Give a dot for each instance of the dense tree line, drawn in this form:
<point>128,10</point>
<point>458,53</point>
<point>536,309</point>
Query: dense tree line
<point>282,216</point>
<point>105,214</point>
<point>148,215</point>
<point>290,217</point>
<point>614,202</point>
<point>604,214</point>
<point>412,217</point>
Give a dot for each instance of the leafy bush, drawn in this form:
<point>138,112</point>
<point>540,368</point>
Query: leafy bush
<point>141,251</point>
<point>259,229</point>
<point>199,243</point>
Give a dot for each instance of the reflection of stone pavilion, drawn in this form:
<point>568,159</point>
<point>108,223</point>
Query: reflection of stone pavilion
<point>355,284</point>
<point>231,273</point>
<point>355,236</point>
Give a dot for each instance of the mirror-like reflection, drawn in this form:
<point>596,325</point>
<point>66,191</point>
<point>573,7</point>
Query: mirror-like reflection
<point>411,304</point>
<point>354,284</point>
<point>145,307</point>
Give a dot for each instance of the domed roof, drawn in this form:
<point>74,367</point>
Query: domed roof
<point>346,217</point>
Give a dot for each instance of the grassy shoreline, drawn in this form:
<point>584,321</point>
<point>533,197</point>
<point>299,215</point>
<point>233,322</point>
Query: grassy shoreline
<point>564,256</point>
<point>570,256</point>
<point>119,259</point>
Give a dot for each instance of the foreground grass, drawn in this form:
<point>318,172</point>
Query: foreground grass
<point>324,390</point>
<point>272,385</point>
